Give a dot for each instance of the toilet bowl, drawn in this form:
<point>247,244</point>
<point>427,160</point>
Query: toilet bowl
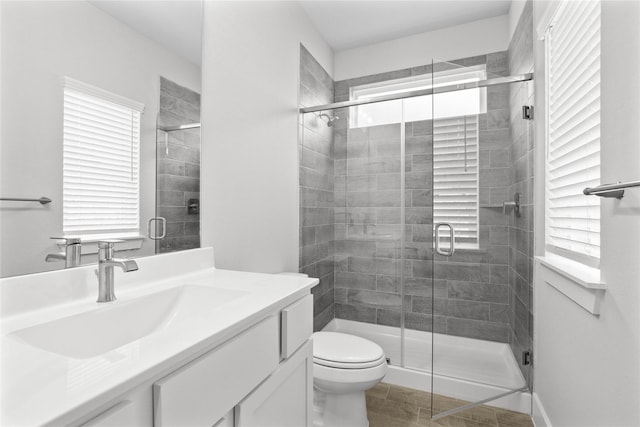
<point>344,367</point>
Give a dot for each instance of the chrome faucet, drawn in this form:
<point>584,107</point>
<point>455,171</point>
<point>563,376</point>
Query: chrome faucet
<point>106,262</point>
<point>71,254</point>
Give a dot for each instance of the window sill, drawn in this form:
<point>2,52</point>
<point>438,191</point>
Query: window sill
<point>470,249</point>
<point>579,283</point>
<point>90,243</point>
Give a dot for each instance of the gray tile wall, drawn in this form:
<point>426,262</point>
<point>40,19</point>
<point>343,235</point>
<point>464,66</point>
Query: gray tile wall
<point>178,173</point>
<point>522,176</point>
<point>471,288</point>
<point>368,222</point>
<point>316,158</point>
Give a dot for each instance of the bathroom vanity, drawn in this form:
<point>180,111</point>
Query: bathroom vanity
<point>184,344</point>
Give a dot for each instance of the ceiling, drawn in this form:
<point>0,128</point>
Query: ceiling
<point>177,25</point>
<point>344,24</point>
<point>349,24</point>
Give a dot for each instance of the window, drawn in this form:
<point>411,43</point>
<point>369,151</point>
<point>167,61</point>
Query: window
<point>573,131</point>
<point>455,139</point>
<point>455,176</point>
<point>101,162</point>
<point>450,104</point>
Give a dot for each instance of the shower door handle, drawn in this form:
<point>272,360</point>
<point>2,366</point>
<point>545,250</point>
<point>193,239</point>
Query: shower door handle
<point>452,247</point>
<point>163,222</point>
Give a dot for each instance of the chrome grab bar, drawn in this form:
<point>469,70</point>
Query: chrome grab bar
<point>452,247</point>
<point>610,190</point>
<point>41,200</point>
<point>163,221</point>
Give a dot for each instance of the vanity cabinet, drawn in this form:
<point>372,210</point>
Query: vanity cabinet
<point>259,378</point>
<point>201,392</point>
<point>285,399</point>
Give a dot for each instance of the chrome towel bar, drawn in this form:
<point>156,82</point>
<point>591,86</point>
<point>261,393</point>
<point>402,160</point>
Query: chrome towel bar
<point>610,190</point>
<point>41,200</point>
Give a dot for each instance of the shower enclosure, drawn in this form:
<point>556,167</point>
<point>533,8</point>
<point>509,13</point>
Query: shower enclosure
<point>414,214</point>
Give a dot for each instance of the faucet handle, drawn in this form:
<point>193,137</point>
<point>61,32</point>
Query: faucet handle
<point>105,248</point>
<point>108,243</point>
<point>69,240</point>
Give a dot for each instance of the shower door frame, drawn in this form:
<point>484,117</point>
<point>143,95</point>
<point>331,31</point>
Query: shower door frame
<point>496,81</point>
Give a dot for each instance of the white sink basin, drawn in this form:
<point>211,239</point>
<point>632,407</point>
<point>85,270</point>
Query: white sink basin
<point>115,324</point>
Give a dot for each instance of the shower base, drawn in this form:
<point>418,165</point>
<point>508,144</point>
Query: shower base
<point>465,368</point>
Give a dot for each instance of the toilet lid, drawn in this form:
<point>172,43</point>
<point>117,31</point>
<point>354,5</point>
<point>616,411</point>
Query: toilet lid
<point>345,351</point>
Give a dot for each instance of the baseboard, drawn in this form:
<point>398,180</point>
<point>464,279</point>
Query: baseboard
<point>539,416</point>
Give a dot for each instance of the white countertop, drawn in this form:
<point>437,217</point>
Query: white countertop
<point>40,387</point>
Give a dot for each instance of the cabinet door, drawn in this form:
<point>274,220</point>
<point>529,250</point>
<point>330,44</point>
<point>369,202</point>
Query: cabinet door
<point>285,398</point>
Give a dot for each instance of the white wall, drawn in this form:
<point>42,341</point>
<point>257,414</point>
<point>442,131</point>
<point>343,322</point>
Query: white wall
<point>515,10</point>
<point>587,368</point>
<point>41,43</point>
<point>475,38</point>
<point>250,131</point>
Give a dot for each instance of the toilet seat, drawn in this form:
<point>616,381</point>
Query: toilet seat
<point>343,351</point>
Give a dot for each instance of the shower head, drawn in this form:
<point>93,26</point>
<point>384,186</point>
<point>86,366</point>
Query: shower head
<point>330,119</point>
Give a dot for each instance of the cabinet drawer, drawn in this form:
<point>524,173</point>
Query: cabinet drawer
<point>296,325</point>
<point>200,393</point>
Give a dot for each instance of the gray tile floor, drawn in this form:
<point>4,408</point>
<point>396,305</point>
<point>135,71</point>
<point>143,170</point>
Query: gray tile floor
<point>394,406</point>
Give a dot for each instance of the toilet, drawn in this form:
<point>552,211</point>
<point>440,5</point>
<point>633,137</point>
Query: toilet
<point>344,367</point>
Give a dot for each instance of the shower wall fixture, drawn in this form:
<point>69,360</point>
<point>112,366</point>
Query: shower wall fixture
<point>330,119</point>
<point>178,167</point>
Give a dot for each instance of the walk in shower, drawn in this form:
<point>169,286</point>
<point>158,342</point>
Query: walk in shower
<point>415,214</point>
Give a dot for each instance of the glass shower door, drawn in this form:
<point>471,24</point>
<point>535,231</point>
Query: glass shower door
<point>368,198</point>
<point>474,357</point>
<point>418,286</point>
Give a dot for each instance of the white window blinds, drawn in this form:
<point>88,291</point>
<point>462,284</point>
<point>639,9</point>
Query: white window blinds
<point>573,152</point>
<point>455,176</point>
<point>101,159</point>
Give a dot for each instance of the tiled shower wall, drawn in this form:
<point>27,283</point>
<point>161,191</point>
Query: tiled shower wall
<point>521,159</point>
<point>178,167</point>
<point>368,223</point>
<point>471,288</point>
<point>315,153</point>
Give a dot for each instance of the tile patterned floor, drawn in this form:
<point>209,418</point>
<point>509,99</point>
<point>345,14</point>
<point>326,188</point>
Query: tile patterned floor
<point>394,406</point>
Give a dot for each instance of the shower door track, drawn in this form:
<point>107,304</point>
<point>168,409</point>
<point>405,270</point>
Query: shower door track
<point>497,81</point>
